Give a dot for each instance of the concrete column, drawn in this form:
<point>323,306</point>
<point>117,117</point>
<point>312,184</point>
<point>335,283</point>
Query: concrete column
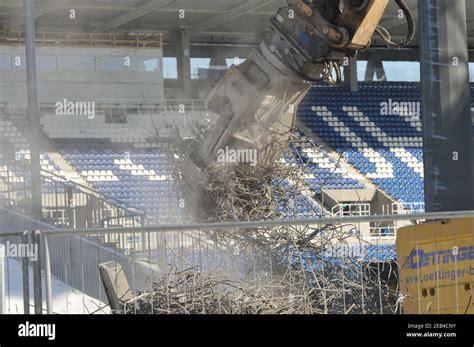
<point>446,110</point>
<point>350,76</point>
<point>183,56</point>
<point>33,112</point>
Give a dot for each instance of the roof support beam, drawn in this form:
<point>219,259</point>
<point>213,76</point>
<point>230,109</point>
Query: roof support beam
<point>229,15</point>
<point>142,10</point>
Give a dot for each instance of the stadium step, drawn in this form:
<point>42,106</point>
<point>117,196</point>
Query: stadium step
<point>70,173</point>
<point>335,155</point>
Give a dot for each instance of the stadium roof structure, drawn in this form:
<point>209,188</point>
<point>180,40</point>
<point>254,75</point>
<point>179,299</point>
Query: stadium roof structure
<point>210,22</point>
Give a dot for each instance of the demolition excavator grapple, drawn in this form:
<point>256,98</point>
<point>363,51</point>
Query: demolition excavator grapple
<point>306,42</point>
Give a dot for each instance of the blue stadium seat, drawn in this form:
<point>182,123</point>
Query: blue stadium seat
<point>378,129</point>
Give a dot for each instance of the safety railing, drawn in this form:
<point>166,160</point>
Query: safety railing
<point>69,39</point>
<point>70,205</point>
<point>348,210</point>
<point>117,109</point>
<point>408,207</point>
<point>386,232</point>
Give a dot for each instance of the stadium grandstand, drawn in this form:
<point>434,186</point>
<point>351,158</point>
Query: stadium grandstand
<point>119,81</point>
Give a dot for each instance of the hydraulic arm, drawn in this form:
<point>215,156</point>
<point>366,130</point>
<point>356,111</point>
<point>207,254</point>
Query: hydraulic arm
<point>257,100</point>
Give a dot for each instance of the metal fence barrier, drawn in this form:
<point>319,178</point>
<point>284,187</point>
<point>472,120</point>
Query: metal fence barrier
<point>2,280</point>
<point>362,279</point>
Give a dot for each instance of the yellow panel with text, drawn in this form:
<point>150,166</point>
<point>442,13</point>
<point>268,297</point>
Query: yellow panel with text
<point>436,266</point>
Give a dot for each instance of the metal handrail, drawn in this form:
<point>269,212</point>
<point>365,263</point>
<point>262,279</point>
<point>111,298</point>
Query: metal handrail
<point>71,39</point>
<point>87,190</point>
<point>271,223</point>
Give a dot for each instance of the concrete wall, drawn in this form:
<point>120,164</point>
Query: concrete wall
<point>83,74</point>
<point>137,128</point>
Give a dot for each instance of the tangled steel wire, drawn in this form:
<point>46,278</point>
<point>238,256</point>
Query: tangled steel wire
<point>285,269</point>
<point>298,282</point>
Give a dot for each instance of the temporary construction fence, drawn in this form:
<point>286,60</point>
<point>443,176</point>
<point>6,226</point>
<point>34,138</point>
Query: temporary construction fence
<point>326,265</point>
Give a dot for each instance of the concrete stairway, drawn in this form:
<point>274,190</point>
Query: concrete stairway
<point>335,156</point>
<point>69,172</point>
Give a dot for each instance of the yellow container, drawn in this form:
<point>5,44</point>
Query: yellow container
<point>436,267</point>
